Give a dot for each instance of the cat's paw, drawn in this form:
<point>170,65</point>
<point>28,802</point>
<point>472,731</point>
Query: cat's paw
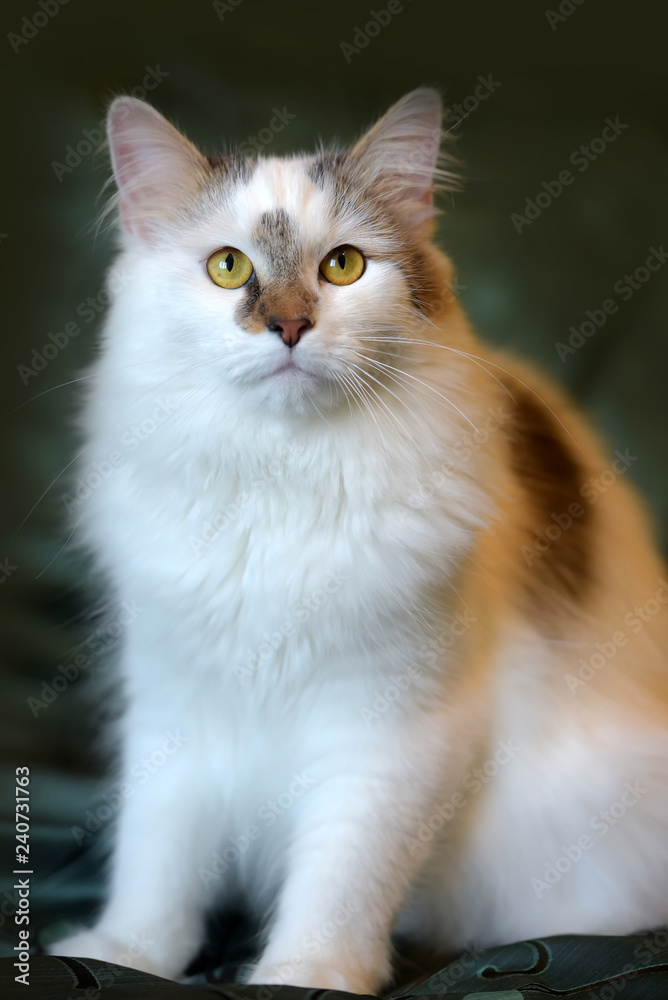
<point>105,948</point>
<point>312,974</point>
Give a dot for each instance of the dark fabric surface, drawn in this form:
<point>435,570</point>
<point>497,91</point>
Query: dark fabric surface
<point>598,968</point>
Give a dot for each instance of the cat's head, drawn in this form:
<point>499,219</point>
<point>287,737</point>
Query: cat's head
<point>290,280</point>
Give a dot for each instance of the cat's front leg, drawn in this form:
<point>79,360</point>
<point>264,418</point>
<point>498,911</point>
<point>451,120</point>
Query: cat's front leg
<point>168,828</point>
<point>348,873</point>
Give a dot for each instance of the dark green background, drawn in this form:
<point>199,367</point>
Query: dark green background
<point>224,79</point>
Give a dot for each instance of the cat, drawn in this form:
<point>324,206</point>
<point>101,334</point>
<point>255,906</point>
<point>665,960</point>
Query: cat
<point>397,611</point>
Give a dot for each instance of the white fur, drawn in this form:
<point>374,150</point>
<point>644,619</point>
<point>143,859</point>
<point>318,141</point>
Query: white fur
<point>251,498</point>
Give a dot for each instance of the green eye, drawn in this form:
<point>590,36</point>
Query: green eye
<point>229,268</point>
<point>342,266</point>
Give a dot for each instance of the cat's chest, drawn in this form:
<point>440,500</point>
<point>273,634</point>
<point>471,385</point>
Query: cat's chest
<point>280,551</point>
<point>277,539</point>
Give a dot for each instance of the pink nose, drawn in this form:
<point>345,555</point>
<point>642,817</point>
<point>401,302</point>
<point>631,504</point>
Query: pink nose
<point>289,330</point>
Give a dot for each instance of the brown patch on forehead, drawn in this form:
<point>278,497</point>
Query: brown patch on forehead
<point>275,233</point>
<point>550,473</point>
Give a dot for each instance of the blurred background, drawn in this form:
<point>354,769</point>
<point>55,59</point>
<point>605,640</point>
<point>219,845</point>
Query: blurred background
<point>533,91</point>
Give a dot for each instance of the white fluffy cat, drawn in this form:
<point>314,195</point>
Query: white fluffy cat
<point>400,671</point>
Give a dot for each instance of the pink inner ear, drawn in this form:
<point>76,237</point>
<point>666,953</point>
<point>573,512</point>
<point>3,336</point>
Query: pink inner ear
<point>415,192</point>
<point>411,160</point>
<point>127,170</point>
<point>122,148</point>
<point>153,166</point>
<point>124,161</point>
<point>424,157</point>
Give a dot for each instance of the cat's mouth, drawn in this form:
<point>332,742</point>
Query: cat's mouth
<point>285,368</point>
<point>288,366</point>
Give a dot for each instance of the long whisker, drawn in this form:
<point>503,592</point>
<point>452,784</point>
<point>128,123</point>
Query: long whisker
<point>466,354</point>
<point>316,407</point>
<point>66,542</point>
<point>362,390</point>
<point>377,395</point>
<point>476,362</point>
<point>340,381</point>
<point>395,418</point>
<point>42,495</point>
<point>432,389</point>
<point>387,389</point>
<point>72,381</point>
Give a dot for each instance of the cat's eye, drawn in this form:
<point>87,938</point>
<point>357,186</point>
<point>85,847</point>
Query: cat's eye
<point>342,266</point>
<point>229,268</point>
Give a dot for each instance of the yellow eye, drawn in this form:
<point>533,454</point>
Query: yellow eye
<point>229,268</point>
<point>342,265</point>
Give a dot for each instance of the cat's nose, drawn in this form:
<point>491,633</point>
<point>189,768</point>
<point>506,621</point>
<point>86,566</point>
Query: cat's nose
<point>289,330</point>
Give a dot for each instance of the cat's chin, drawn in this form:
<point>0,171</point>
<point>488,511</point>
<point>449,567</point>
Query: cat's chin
<point>293,391</point>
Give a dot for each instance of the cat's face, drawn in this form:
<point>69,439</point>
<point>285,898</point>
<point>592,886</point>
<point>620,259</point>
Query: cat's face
<point>291,281</point>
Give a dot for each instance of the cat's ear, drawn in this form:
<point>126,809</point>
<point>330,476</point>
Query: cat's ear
<point>156,169</point>
<point>401,155</point>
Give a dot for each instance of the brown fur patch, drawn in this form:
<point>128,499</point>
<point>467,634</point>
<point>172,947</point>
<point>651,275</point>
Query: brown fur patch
<point>276,234</point>
<point>552,477</point>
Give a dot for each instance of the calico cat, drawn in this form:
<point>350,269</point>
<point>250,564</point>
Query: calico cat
<point>410,655</point>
